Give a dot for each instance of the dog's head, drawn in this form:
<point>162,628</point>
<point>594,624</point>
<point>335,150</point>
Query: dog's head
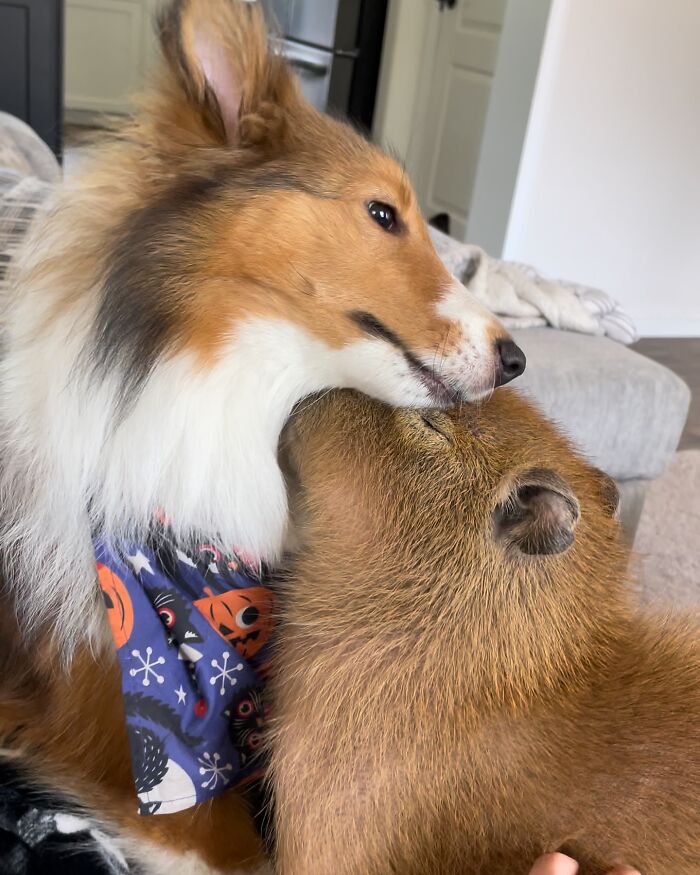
<point>255,218</point>
<point>228,252</point>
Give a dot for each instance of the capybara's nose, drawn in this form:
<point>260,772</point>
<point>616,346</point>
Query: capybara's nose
<point>510,361</point>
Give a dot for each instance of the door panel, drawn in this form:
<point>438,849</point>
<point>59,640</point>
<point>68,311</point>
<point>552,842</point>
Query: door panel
<point>453,175</point>
<point>453,124</point>
<point>482,12</point>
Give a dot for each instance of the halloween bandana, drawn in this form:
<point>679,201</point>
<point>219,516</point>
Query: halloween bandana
<point>191,630</point>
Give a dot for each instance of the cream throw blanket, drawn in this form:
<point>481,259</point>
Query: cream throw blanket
<point>525,299</point>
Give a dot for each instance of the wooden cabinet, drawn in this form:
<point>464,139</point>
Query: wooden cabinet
<point>31,81</point>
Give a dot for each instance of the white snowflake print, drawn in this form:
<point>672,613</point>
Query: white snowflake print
<point>147,667</point>
<point>210,766</point>
<point>224,672</point>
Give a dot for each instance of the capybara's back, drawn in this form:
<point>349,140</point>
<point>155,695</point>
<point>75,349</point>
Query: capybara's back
<point>466,681</point>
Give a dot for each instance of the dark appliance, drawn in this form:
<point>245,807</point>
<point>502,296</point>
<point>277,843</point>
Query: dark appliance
<point>31,65</point>
<point>335,46</point>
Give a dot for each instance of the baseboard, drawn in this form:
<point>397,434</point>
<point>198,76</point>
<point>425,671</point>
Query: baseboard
<point>88,118</point>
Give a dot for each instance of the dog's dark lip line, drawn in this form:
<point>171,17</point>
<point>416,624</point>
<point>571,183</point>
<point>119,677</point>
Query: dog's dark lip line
<point>441,393</point>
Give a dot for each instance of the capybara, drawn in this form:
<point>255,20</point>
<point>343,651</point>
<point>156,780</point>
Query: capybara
<point>465,680</point>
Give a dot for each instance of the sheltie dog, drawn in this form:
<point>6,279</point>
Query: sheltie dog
<point>228,252</point>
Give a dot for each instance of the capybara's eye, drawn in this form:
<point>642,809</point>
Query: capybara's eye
<point>247,617</point>
<point>430,422</point>
<point>383,214</point>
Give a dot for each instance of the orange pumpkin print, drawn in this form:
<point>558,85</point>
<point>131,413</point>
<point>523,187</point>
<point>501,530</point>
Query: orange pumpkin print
<point>120,610</point>
<point>243,617</point>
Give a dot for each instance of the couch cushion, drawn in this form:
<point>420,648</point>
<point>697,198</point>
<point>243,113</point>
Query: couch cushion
<point>624,411</point>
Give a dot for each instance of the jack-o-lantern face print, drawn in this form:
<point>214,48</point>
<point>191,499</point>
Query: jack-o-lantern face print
<point>243,617</point>
<point>120,611</point>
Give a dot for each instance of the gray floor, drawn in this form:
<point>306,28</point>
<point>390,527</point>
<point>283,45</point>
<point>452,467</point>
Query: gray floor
<point>682,355</point>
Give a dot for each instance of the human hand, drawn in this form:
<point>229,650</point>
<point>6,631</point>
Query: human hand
<point>558,864</point>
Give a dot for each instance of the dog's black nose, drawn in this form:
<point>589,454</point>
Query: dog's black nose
<point>510,361</point>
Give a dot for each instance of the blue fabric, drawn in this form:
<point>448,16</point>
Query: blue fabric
<point>192,630</point>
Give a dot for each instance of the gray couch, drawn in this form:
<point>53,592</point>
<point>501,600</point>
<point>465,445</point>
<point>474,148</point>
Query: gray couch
<point>623,411</point>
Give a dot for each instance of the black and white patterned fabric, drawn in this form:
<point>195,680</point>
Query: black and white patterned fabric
<point>43,834</point>
<point>20,199</point>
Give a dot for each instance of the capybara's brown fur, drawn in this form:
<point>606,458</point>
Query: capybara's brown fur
<point>459,689</point>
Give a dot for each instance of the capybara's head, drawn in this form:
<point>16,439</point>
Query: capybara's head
<point>478,524</point>
<point>459,572</point>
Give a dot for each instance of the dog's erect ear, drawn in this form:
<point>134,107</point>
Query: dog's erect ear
<point>539,513</point>
<point>218,51</point>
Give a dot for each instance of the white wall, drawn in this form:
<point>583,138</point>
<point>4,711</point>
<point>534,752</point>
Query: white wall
<point>608,190</point>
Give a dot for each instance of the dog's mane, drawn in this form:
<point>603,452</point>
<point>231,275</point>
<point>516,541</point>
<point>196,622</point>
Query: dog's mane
<point>76,461</point>
<point>210,266</point>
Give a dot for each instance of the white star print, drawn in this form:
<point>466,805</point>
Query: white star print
<point>183,557</point>
<point>180,695</point>
<point>139,562</point>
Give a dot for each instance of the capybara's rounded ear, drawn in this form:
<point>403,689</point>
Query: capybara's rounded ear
<point>609,493</point>
<point>538,514</point>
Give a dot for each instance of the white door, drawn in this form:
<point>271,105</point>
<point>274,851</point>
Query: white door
<point>458,76</point>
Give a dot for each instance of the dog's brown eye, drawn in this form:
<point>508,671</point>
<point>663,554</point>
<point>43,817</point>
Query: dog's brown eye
<point>383,215</point>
